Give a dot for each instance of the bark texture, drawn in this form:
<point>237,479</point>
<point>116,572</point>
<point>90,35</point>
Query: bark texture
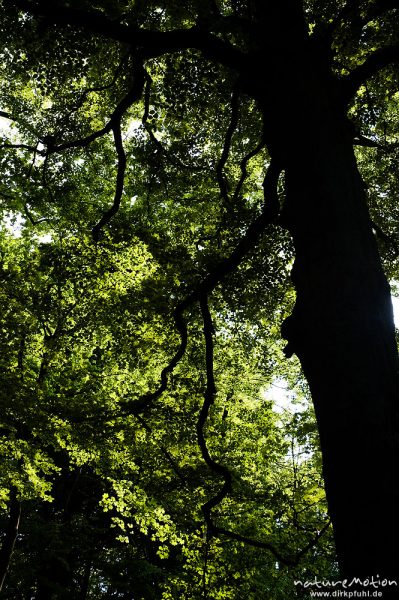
<point>342,331</point>
<point>342,326</point>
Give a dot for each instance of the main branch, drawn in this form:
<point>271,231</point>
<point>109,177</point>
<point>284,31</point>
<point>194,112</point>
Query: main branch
<point>375,62</point>
<point>151,43</point>
<point>120,178</point>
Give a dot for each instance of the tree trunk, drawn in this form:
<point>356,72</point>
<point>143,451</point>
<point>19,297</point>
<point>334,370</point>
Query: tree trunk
<point>10,537</point>
<point>342,325</point>
<point>342,331</point>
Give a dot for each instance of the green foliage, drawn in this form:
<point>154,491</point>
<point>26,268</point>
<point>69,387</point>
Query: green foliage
<point>111,496</point>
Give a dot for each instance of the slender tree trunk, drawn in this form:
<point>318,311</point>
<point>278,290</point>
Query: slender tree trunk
<point>11,534</point>
<point>85,585</point>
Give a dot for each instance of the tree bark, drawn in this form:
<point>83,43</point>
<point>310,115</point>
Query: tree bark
<point>342,326</point>
<point>342,331</point>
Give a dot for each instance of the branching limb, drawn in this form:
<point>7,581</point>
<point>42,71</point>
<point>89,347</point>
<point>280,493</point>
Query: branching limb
<point>151,43</point>
<point>79,102</point>
<point>133,95</point>
<point>289,561</point>
<point>120,179</point>
<point>376,61</point>
<point>222,181</point>
<point>31,218</point>
<point>203,289</point>
<point>49,141</point>
<point>214,277</point>
<point>209,398</point>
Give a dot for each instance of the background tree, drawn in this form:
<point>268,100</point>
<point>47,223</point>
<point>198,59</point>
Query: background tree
<point>204,146</point>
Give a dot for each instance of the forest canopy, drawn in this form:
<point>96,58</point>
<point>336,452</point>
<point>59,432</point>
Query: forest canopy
<point>145,265</point>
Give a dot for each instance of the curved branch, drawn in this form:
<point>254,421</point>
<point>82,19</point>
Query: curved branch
<point>209,398</point>
<point>371,66</point>
<point>133,95</point>
<point>210,393</point>
<point>120,179</point>
<point>136,407</point>
<point>151,43</point>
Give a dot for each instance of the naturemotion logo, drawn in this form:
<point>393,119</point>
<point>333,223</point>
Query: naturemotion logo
<point>357,587</point>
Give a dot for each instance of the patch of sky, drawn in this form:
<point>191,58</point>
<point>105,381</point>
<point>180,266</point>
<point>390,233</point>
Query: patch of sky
<point>395,306</point>
<point>133,126</point>
<point>14,223</point>
<point>283,397</point>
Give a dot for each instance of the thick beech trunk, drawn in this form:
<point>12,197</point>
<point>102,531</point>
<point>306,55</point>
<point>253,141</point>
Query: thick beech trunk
<point>342,325</point>
<point>342,331</point>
